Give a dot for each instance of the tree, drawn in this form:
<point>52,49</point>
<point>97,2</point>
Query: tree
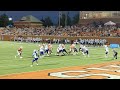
<point>65,19</point>
<point>75,19</point>
<point>62,20</point>
<point>4,20</point>
<point>95,24</point>
<point>101,23</point>
<point>48,21</point>
<point>69,21</point>
<point>43,21</point>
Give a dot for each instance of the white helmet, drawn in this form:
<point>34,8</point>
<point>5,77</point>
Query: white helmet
<point>59,45</point>
<point>105,45</point>
<point>34,50</point>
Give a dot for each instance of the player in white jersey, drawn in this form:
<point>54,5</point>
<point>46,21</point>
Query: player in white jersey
<point>46,49</point>
<point>42,50</point>
<point>86,52</point>
<point>59,50</point>
<point>35,55</point>
<point>82,49</point>
<point>106,51</point>
<point>63,49</point>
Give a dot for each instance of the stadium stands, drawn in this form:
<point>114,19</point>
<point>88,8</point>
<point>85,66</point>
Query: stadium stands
<point>58,33</point>
<point>106,31</point>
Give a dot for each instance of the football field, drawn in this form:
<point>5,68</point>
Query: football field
<point>10,65</point>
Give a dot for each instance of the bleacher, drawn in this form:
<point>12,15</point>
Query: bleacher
<point>104,20</point>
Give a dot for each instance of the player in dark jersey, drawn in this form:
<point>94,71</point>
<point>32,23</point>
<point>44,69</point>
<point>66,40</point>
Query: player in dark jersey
<point>115,53</point>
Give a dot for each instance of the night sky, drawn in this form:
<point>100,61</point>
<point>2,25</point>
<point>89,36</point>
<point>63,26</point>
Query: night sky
<point>16,15</point>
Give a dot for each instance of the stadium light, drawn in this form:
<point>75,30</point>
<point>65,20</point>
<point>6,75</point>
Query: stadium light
<point>10,19</point>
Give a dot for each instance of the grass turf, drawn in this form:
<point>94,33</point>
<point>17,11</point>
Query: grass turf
<point>9,64</point>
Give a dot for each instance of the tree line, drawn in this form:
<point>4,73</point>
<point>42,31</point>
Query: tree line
<point>4,20</point>
<point>47,21</point>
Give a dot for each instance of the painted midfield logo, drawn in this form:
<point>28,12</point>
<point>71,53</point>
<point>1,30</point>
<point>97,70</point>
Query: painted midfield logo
<point>106,72</point>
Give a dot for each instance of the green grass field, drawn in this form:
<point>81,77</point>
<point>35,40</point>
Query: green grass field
<point>9,64</point>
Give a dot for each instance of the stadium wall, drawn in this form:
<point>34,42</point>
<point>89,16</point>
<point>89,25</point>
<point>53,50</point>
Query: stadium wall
<point>110,40</point>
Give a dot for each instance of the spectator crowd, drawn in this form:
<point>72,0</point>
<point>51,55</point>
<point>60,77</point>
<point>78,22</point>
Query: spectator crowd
<point>106,31</point>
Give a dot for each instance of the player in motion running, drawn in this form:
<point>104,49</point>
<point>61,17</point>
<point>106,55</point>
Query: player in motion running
<point>84,51</point>
<point>60,50</point>
<point>46,49</point>
<point>19,52</point>
<point>106,51</point>
<point>42,50</point>
<point>36,56</point>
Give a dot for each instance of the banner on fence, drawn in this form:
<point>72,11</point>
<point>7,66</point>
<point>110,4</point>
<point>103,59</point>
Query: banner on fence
<point>114,45</point>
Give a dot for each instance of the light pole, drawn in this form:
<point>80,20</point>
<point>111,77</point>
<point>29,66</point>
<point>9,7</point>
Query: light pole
<point>60,15</point>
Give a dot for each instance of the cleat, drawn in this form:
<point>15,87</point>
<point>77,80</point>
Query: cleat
<point>21,57</point>
<point>31,65</point>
